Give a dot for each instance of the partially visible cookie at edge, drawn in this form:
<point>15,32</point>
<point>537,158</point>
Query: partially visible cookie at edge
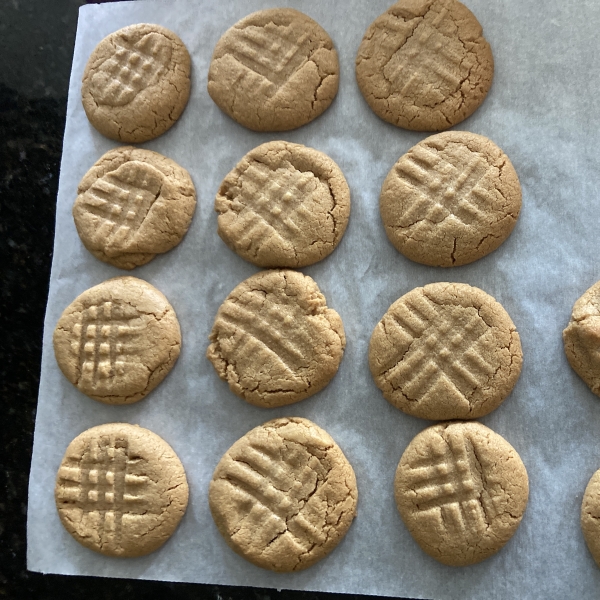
<point>424,64</point>
<point>445,351</point>
<point>132,205</point>
<point>284,495</point>
<point>274,340</point>
<point>461,490</point>
<point>581,338</point>
<point>590,516</point>
<point>283,205</point>
<point>117,340</point>
<point>120,490</point>
<point>450,200</point>
<point>136,83</point>
<point>274,70</point>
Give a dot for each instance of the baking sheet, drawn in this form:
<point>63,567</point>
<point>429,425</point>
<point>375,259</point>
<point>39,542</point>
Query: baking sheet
<point>543,110</point>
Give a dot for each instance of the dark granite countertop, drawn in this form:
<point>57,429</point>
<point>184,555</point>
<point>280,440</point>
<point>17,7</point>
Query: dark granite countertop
<point>36,39</point>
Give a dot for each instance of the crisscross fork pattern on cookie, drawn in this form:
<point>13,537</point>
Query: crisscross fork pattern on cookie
<point>132,68</point>
<point>255,334</point>
<point>265,480</point>
<point>122,200</point>
<point>272,200</point>
<point>449,487</point>
<point>440,188</point>
<point>427,54</point>
<point>274,53</point>
<point>99,484</point>
<point>442,341</point>
<point>101,342</point>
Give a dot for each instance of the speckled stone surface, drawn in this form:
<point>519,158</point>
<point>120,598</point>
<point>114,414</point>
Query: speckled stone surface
<point>36,41</point>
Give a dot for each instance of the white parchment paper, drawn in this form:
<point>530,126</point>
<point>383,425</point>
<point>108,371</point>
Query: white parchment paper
<point>544,111</point>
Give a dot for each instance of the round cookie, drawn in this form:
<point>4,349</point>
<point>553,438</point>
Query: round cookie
<point>275,341</point>
<point>284,495</point>
<point>120,490</point>
<point>445,351</point>
<point>590,516</point>
<point>461,490</point>
<point>136,83</point>
<point>132,205</point>
<point>284,205</point>
<point>581,338</point>
<point>424,64</point>
<point>118,340</point>
<point>450,200</point>
<point>274,70</point>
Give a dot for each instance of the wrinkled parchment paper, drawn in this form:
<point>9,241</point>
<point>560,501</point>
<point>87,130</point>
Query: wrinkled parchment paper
<point>544,111</point>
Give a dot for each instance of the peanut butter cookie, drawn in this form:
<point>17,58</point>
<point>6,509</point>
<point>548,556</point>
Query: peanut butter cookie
<point>118,340</point>
<point>450,200</point>
<point>132,205</point>
<point>121,490</point>
<point>445,351</point>
<point>274,70</point>
<point>284,495</point>
<point>136,83</point>
<point>275,341</point>
<point>424,64</point>
<point>590,516</point>
<point>461,490</point>
<point>581,338</point>
<point>284,205</point>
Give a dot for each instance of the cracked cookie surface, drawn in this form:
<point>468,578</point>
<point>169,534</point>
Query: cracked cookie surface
<point>445,351</point>
<point>424,64</point>
<point>581,338</point>
<point>118,340</point>
<point>136,83</point>
<point>284,495</point>
<point>132,205</point>
<point>284,205</point>
<point>274,340</point>
<point>461,490</point>
<point>590,516</point>
<point>450,200</point>
<point>120,490</point>
<point>274,70</point>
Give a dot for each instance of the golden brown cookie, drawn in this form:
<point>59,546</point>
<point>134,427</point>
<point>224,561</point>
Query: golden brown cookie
<point>132,205</point>
<point>121,490</point>
<point>445,351</point>
<point>118,340</point>
<point>275,341</point>
<point>590,516</point>
<point>461,490</point>
<point>274,70</point>
<point>284,495</point>
<point>284,205</point>
<point>451,199</point>
<point>136,83</point>
<point>424,64</point>
<point>581,338</point>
